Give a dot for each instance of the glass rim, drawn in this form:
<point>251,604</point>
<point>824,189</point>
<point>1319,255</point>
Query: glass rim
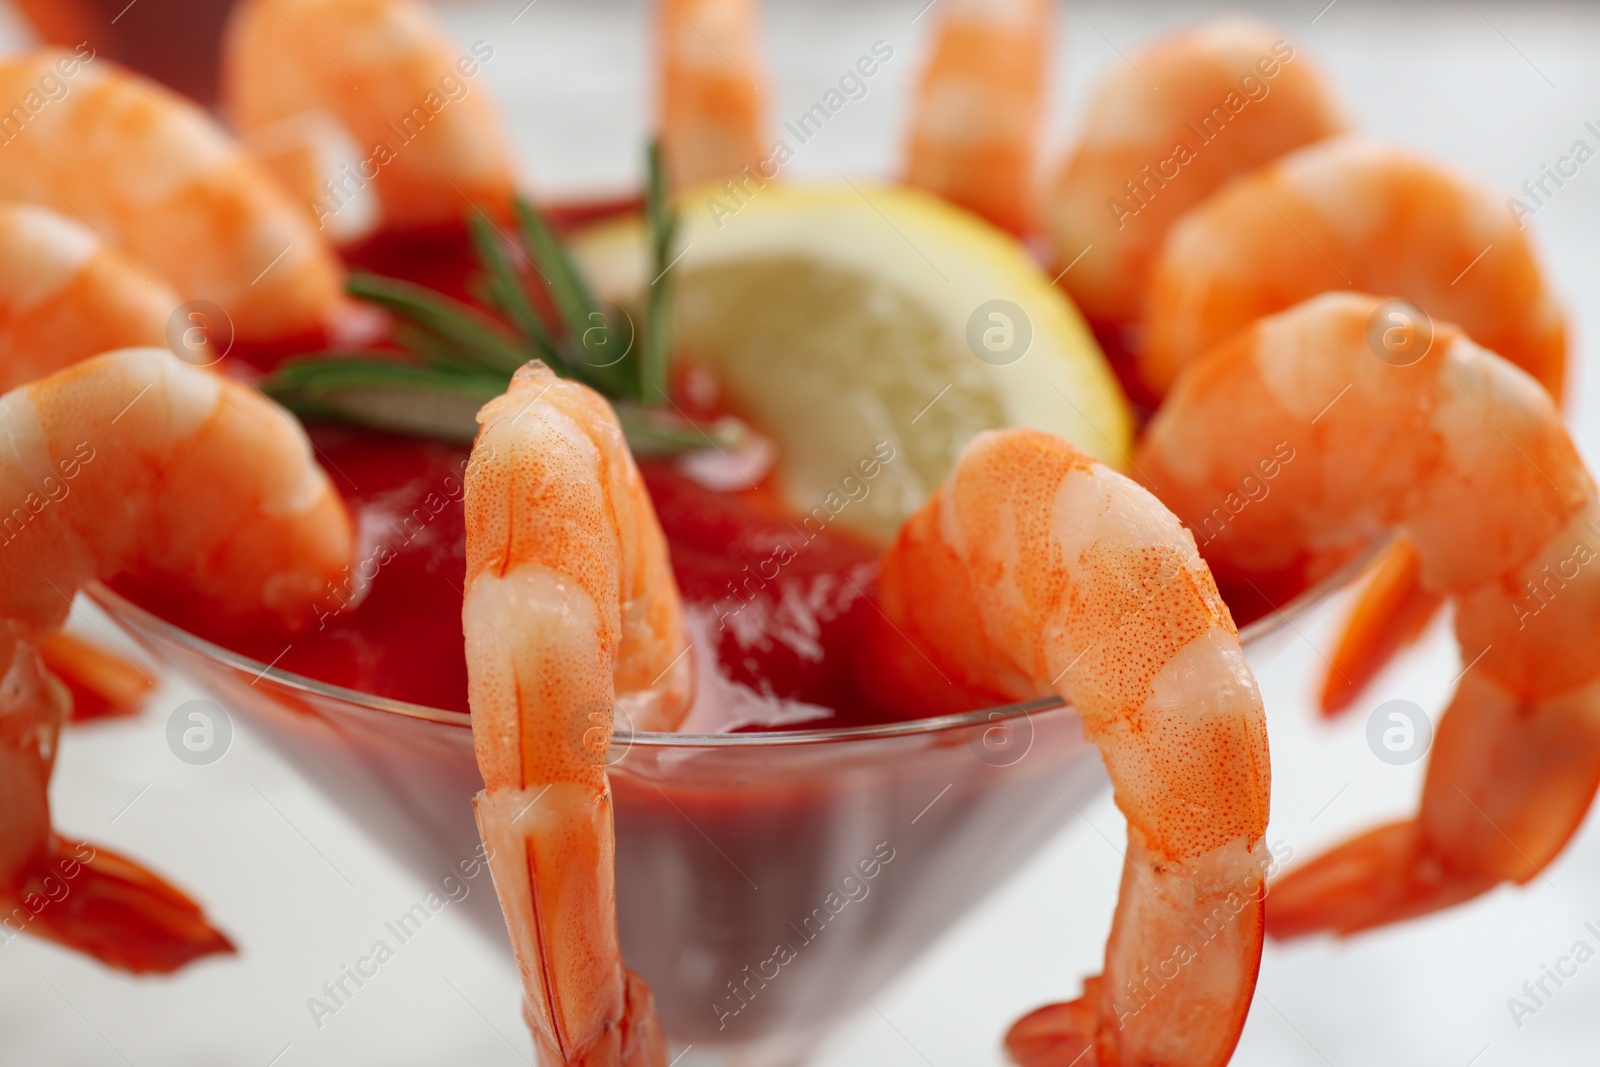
<point>116,604</point>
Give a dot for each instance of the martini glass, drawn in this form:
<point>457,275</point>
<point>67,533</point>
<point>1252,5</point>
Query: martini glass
<point>767,884</point>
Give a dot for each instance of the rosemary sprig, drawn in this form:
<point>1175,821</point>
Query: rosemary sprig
<point>505,289</point>
<point>590,336</point>
<point>461,357</point>
<point>457,325</point>
<point>654,431</point>
<point>658,321</point>
<point>385,395</point>
<point>567,287</point>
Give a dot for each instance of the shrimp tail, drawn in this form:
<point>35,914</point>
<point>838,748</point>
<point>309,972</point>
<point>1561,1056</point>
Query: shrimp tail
<point>122,914</point>
<point>1390,612</point>
<point>1186,941</point>
<point>643,1043</point>
<point>1380,877</point>
<point>1057,1033</point>
<point>103,686</point>
<point>76,894</point>
<point>580,1012</point>
<point>634,1040</point>
<point>1509,781</point>
<point>270,537</point>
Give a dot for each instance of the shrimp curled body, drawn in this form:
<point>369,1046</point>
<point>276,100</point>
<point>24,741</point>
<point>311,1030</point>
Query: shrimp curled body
<point>975,129</point>
<point>1351,214</point>
<point>1035,569</point>
<point>336,96</point>
<point>106,462</point>
<point>66,295</point>
<point>571,613</point>
<point>172,192</point>
<point>1189,113</point>
<point>1464,456</point>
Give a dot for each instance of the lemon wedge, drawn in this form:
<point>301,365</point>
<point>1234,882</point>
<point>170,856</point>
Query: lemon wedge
<point>871,331</point>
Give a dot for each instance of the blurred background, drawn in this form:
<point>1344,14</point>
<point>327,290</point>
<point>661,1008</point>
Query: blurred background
<point>1499,89</point>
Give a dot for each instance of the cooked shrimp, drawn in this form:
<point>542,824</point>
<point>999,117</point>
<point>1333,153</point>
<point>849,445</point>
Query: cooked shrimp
<point>1390,611</point>
<point>1465,456</point>
<point>571,612</point>
<point>1032,569</point>
<point>106,463</point>
<point>711,90</point>
<point>104,684</point>
<point>66,295</point>
<point>164,186</point>
<point>1350,213</point>
<point>1163,132</point>
<point>365,111</point>
<point>975,123</point>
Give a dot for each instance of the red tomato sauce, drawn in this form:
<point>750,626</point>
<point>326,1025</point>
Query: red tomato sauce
<point>775,604</point>
<point>772,607</point>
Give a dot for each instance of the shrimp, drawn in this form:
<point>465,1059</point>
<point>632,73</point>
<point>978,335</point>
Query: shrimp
<point>1465,455</point>
<point>1350,213</point>
<point>1036,569</point>
<point>1391,611</point>
<point>975,126</point>
<point>339,95</point>
<point>1353,213</point>
<point>104,684</point>
<point>711,91</point>
<point>1164,132</point>
<point>66,295</point>
<point>571,612</point>
<point>164,186</point>
<point>106,461</point>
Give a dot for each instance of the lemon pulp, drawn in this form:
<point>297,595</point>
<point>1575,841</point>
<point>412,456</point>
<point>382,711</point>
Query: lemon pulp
<point>853,322</point>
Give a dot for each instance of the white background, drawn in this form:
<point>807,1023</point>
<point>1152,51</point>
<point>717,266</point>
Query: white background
<point>1496,88</point>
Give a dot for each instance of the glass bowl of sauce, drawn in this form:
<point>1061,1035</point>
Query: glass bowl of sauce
<point>783,857</point>
<point>789,854</point>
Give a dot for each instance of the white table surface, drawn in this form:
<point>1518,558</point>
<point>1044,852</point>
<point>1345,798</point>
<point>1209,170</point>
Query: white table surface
<point>1497,88</point>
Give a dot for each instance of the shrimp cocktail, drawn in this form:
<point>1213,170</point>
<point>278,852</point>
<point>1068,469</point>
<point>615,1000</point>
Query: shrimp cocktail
<point>792,551</point>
